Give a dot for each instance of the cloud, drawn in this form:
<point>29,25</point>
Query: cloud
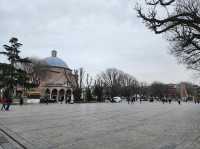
<point>94,34</point>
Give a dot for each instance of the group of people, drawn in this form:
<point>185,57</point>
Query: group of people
<point>6,100</point>
<point>46,99</point>
<point>131,100</point>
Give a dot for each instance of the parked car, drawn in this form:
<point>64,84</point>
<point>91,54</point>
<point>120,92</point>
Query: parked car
<point>33,100</point>
<point>117,99</point>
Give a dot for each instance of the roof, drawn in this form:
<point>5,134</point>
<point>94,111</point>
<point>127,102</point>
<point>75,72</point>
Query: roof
<point>54,61</point>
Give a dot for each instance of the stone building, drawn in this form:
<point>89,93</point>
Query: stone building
<point>59,80</point>
<point>183,92</point>
<point>171,90</point>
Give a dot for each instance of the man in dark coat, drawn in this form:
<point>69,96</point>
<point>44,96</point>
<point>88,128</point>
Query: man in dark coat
<point>21,100</point>
<point>3,102</point>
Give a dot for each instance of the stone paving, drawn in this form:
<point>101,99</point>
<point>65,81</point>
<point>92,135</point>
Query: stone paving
<point>102,126</point>
<point>7,143</point>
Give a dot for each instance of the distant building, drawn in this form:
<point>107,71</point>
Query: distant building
<point>59,81</point>
<point>183,91</point>
<point>171,90</point>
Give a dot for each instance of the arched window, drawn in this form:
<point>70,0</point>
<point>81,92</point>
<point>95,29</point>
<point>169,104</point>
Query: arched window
<point>61,95</point>
<point>54,94</point>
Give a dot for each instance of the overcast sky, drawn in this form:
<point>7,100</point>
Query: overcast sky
<point>94,34</point>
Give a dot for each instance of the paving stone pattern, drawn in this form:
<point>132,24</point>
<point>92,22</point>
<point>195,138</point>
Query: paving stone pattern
<point>7,143</point>
<point>104,126</point>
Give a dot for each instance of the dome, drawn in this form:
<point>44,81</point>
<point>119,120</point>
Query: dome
<point>55,61</point>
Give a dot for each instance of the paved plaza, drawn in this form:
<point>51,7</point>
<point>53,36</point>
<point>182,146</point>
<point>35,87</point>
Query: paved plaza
<point>101,126</point>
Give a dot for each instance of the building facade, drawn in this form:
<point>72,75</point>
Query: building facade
<point>59,80</point>
<point>171,90</point>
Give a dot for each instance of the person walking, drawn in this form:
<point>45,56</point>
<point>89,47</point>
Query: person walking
<point>3,102</point>
<point>163,100</point>
<point>6,100</point>
<point>128,99</point>
<point>21,100</point>
<point>8,103</point>
<point>46,99</point>
<point>179,101</point>
<point>132,100</point>
<point>169,100</point>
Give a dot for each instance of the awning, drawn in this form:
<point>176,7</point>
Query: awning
<point>33,93</point>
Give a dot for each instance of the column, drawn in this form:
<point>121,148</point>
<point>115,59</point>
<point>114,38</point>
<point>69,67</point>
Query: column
<point>50,94</point>
<point>72,97</point>
<point>65,95</point>
<point>57,95</point>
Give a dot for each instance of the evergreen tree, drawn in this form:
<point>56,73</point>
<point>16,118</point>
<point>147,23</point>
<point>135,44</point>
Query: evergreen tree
<point>11,74</point>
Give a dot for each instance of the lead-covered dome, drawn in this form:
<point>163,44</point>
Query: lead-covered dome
<point>54,61</point>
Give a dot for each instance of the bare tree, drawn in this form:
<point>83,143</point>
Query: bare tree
<point>81,77</point>
<point>158,89</point>
<point>98,89</point>
<point>117,83</point>
<point>39,68</point>
<point>143,89</point>
<point>88,81</point>
<point>80,85</point>
<point>111,79</point>
<point>36,70</point>
<point>88,85</point>
<point>180,20</point>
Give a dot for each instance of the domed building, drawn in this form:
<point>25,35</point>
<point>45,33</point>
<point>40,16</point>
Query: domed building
<point>59,80</point>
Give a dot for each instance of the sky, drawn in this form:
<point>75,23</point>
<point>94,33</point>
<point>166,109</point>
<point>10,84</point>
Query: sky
<point>93,34</point>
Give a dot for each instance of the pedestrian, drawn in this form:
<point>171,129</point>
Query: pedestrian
<point>132,100</point>
<point>8,102</point>
<point>21,100</point>
<point>163,100</point>
<point>128,99</point>
<point>3,102</point>
<point>170,100</point>
<point>46,99</point>
<point>179,101</point>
